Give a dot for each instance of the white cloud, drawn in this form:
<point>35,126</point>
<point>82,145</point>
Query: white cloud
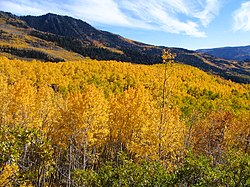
<point>30,7</point>
<point>242,18</point>
<point>210,11</point>
<point>102,11</point>
<point>175,16</point>
<point>105,11</point>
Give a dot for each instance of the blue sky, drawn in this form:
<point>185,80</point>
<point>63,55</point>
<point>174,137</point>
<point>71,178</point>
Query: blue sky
<point>191,24</point>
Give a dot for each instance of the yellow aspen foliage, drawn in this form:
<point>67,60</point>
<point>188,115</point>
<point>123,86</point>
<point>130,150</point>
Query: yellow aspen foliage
<point>169,131</point>
<point>209,134</point>
<point>135,127</point>
<point>22,103</point>
<point>7,174</point>
<point>46,102</point>
<point>58,118</point>
<point>4,101</point>
<point>167,56</point>
<point>164,141</point>
<point>83,118</point>
<point>131,113</point>
<point>170,135</point>
<point>26,185</point>
<point>237,135</point>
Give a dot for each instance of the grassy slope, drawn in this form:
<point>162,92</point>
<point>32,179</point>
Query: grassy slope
<point>18,37</point>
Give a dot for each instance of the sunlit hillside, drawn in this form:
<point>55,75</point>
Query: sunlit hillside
<point>15,42</point>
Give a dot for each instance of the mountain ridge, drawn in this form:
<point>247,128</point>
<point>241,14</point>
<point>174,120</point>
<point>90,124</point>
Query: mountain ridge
<point>239,53</point>
<point>79,39</point>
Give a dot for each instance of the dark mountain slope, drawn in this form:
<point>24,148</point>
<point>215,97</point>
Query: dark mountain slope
<point>96,43</point>
<point>70,27</point>
<point>60,25</point>
<point>241,53</point>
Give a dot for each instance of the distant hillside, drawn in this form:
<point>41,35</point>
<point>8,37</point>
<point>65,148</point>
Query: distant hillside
<point>241,53</point>
<point>56,38</point>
